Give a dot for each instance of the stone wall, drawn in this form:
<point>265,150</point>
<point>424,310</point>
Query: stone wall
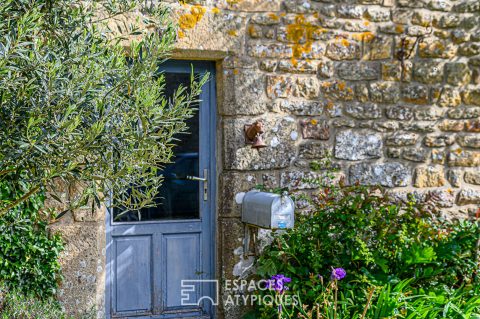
<point>388,89</point>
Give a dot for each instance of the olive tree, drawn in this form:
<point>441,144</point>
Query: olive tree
<point>83,103</point>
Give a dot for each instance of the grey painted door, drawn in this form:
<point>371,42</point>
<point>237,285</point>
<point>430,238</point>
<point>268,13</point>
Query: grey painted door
<point>160,261</point>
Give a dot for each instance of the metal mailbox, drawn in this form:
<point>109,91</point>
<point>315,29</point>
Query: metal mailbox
<point>267,210</point>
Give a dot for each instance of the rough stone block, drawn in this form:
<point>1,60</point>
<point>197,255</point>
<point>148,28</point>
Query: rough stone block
<point>467,6</point>
<point>412,3</point>
<point>458,73</point>
<point>464,113</point>
<point>297,180</point>
<point>436,48</point>
<point>337,90</point>
<point>325,69</point>
<point>438,140</point>
<point>460,36</point>
<point>454,177</point>
<point>464,158</point>
<point>356,26</point>
<point>415,94</point>
<point>449,97</point>
<point>469,49</point>
<point>394,152</point>
<point>422,18</point>
<point>393,71</point>
<point>300,107</point>
<point>343,49</point>
<point>255,31</point>
<point>417,31</point>
<point>415,154</point>
<point>244,92</point>
<point>249,5</point>
<point>314,150</point>
<point>376,14</point>
<point>216,31</point>
<point>472,178</point>
<point>400,112</point>
<point>443,198</point>
<point>447,21</point>
<point>438,156</point>
<point>379,48</point>
<point>472,96</point>
<point>297,66</point>
<point>472,141</point>
<point>350,11</point>
<point>440,5</point>
<point>429,113</point>
<point>428,72</point>
<point>266,19</point>
<point>429,176</point>
<point>358,145</point>
<point>468,196</point>
<point>424,127</point>
<point>387,126</point>
<point>363,111</point>
<point>287,86</point>
<point>401,16</point>
<point>472,126</point>
<point>315,129</point>
<point>385,174</point>
<point>355,71</point>
<point>451,126</point>
<point>343,123</point>
<point>384,92</point>
<point>402,139</point>
<point>274,50</point>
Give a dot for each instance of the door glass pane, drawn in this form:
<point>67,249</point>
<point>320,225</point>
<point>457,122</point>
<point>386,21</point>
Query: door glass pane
<point>179,198</point>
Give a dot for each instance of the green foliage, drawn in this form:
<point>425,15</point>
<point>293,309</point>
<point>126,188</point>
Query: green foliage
<point>395,301</point>
<point>380,244</point>
<point>77,106</point>
<point>28,253</point>
<point>17,305</point>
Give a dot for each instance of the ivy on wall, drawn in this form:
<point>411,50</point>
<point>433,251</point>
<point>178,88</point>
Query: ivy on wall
<point>28,252</point>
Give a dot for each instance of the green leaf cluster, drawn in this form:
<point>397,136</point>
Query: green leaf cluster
<point>82,101</point>
<point>380,242</point>
<point>28,252</point>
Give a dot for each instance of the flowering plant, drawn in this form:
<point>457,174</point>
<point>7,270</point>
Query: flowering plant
<point>277,283</point>
<point>377,242</point>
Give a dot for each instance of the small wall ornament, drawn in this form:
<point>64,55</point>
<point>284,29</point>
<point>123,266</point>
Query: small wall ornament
<point>253,135</point>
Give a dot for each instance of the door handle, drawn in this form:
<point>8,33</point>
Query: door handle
<point>201,179</point>
<point>196,178</point>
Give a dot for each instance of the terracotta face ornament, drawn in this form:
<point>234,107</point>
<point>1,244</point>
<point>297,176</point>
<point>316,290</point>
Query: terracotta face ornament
<point>253,135</point>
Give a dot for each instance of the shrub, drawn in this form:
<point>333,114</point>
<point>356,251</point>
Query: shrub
<point>79,107</point>
<point>377,241</point>
<point>28,253</point>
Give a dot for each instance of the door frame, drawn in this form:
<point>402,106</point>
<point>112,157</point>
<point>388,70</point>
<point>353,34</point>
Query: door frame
<point>208,209</point>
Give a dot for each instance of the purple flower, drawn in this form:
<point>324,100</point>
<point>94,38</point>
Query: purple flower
<point>277,283</point>
<point>338,274</point>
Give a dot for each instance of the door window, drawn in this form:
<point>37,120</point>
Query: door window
<point>178,197</point>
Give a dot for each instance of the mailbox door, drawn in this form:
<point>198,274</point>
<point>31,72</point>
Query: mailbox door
<point>155,255</point>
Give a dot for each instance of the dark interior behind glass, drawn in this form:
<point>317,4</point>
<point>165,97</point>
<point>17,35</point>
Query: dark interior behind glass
<point>178,196</point>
